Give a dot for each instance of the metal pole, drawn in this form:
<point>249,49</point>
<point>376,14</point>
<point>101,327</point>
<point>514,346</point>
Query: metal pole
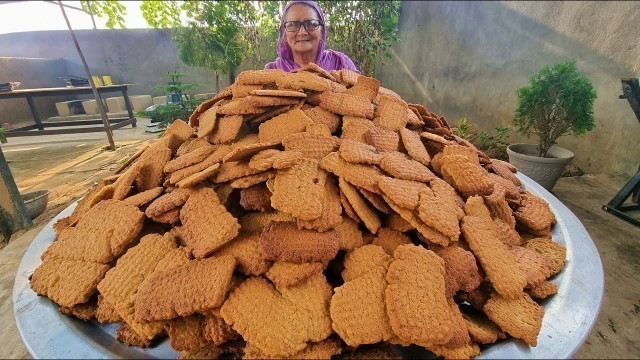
<point>103,113</point>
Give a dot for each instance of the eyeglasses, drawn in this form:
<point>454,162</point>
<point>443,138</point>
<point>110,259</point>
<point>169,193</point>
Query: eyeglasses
<point>309,25</point>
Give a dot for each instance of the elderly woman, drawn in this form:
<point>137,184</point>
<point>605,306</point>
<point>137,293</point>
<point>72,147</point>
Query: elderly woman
<point>302,39</point>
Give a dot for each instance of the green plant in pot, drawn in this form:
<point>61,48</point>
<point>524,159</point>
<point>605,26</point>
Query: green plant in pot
<point>558,101</point>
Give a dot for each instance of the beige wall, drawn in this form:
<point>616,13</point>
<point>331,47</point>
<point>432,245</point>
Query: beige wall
<point>468,58</point>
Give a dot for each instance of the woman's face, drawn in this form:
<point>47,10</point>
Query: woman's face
<point>302,40</point>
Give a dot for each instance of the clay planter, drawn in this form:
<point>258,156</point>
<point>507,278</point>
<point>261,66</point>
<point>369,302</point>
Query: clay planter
<point>545,171</point>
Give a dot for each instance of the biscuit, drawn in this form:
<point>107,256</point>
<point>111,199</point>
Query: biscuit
<point>287,159</point>
<point>512,192</point>
<point>180,130</point>
<point>497,261</point>
<point>283,241</point>
<point>348,209</point>
<point>384,140</point>
<point>286,93</point>
<point>61,225</point>
<point>412,218</point>
<point>256,197</point>
<point>263,160</point>
<point>152,163</point>
<point>345,104</point>
<point>169,217</point>
<point>105,193</point>
<point>84,312</point>
<point>247,151</point>
<point>265,319</point>
<point>106,313</point>
<point>128,162</point>
<point>476,298</point>
<point>362,176</point>
<point>299,190</point>
<point>321,116</point>
<point>357,152</point>
<point>504,170</point>
<point>499,207</point>
<point>67,282</point>
<point>331,210</point>
<point>551,249</point>
<point>259,77</point>
<point>414,146</point>
<point>355,128</point>
<point>358,309</point>
<point>535,266</point>
<point>376,200</point>
<point>302,81</point>
<point>390,239</point>
<point>122,186</point>
<point>168,202</point>
<point>207,121</point>
<point>217,331</point>
<point>318,129</point>
<point>467,177</point>
<point>256,222</point>
<point>465,351</point>
<point>207,225</point>
<point>481,329</point>
<point>534,212</point>
<point>461,270</point>
<point>521,317</point>
<point>199,286</point>
<point>312,146</point>
<point>434,138</point>
<point>367,214</point>
<point>542,290</point>
<point>349,234</point>
<point>241,106</point>
<point>312,67</point>
<point>413,118</point>
<point>234,170</point>
<point>325,349</point>
<point>391,113</point>
<point>312,296</point>
<point>401,167</point>
<point>268,100</point>
<point>144,197</point>
<point>269,114</point>
<point>396,222</point>
<point>252,180</point>
<point>198,177</point>
<point>127,335</point>
<point>284,274</point>
<point>281,126</point>
<point>465,151</point>
<point>448,194</point>
<point>460,332</point>
<point>418,273</point>
<point>441,215</point>
<point>186,333</point>
<point>209,161</point>
<point>246,250</point>
<point>475,207</point>
<point>366,87</point>
<point>226,130</point>
<point>239,90</point>
<point>508,235</point>
<point>405,193</point>
<point>190,158</point>
<point>363,260</point>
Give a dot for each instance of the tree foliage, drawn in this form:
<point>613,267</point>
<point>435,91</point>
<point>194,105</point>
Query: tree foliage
<point>558,101</point>
<point>220,35</point>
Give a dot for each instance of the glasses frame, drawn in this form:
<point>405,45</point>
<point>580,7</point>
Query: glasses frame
<point>305,23</point>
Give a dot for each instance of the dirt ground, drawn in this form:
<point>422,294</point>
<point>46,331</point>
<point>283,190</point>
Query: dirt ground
<point>68,166</point>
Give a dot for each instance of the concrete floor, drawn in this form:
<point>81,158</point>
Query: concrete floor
<point>68,166</point>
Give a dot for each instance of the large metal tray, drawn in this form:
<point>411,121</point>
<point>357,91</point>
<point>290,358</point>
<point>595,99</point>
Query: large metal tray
<point>569,315</point>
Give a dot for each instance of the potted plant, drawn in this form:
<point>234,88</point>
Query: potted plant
<point>558,101</point>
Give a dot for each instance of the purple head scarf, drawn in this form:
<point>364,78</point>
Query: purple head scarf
<point>327,59</point>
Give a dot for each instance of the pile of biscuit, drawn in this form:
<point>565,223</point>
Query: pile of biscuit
<point>308,214</point>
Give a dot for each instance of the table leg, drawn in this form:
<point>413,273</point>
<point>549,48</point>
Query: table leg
<point>127,102</point>
<point>34,112</point>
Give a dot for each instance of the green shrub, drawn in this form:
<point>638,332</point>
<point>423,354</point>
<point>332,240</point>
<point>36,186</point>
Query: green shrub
<point>493,144</point>
<point>558,101</point>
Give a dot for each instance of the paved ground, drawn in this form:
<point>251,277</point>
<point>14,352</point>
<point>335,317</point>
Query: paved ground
<point>69,166</point>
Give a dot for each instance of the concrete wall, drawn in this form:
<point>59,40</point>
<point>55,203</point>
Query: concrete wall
<point>468,58</point>
<point>32,73</point>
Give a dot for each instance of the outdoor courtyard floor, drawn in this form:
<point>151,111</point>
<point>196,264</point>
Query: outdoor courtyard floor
<point>69,164</point>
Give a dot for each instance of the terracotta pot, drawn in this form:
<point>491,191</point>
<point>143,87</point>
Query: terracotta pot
<point>543,170</point>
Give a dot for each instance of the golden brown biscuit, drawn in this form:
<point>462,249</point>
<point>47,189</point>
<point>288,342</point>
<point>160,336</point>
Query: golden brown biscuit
<point>322,116</point>
<point>123,185</point>
<point>256,222</point>
<point>256,197</point>
<point>259,77</point>
<point>247,151</point>
<point>331,210</point>
<point>285,242</point>
<point>429,233</point>
<point>264,318</point>
<point>180,131</point>
<point>357,152</point>
<point>475,207</point>
<point>106,313</point>
<point>345,104</point>
<point>363,260</point>
<point>535,266</point>
<point>313,146</point>
<point>534,213</point>
<point>226,130</point>
<point>350,234</point>
<point>299,190</point>
<point>281,126</point>
<point>320,350</point>
<point>405,193</point>
<point>284,274</point>
<point>207,121</point>
<point>391,113</point>
<point>542,290</point>
<point>362,176</point>
<point>401,167</point>
<point>246,250</point>
<point>168,202</point>
<point>414,146</point>
<point>417,273</point>
<point>210,160</point>
<point>461,270</point>
<point>376,200</point>
<point>348,209</point>
<point>199,286</point>
<point>355,128</point>
<point>84,312</point>
<point>440,215</point>
<point>499,207</point>
<point>127,335</point>
<point>144,197</point>
<point>521,317</point>
<point>551,249</point>
<point>234,170</point>
<point>365,212</point>
<point>268,100</point>
<point>302,81</point>
<point>481,329</point>
<point>396,222</point>
<point>207,225</point>
<point>217,331</point>
<point>358,309</point>
<point>467,177</point>
<point>187,333</point>
<point>390,239</point>
<point>252,180</point>
<point>505,170</point>
<point>384,140</point>
<point>497,261</point>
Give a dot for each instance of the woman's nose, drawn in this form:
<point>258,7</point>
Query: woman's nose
<point>302,30</point>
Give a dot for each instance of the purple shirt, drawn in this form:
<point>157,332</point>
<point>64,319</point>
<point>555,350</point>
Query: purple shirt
<point>327,59</point>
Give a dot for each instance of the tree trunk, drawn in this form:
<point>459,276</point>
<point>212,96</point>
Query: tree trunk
<point>232,74</point>
<point>217,82</point>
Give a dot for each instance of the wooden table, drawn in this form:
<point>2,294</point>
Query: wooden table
<point>38,128</point>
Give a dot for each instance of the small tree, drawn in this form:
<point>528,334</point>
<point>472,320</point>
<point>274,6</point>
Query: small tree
<point>558,101</point>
